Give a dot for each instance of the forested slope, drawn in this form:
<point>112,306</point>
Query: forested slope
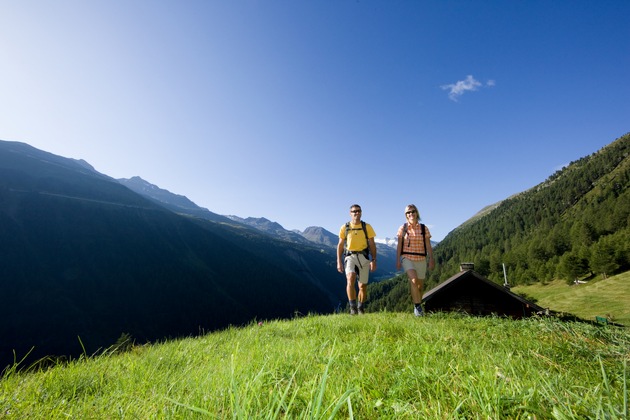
<point>574,225</point>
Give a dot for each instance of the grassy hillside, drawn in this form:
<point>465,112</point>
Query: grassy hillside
<point>380,365</point>
<point>607,298</point>
<point>598,297</point>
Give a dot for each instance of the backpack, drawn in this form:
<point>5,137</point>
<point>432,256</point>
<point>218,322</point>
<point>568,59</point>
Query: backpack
<point>366,251</point>
<point>424,240</point>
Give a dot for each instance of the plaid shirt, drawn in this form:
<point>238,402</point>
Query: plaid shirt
<point>413,241</point>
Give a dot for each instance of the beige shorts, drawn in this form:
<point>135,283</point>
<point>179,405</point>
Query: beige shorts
<point>357,263</point>
<point>419,266</point>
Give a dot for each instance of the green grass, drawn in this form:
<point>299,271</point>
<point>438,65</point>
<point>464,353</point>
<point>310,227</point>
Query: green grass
<point>606,298</point>
<point>381,365</point>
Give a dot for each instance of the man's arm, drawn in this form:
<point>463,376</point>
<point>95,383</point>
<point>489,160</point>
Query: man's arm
<point>339,255</point>
<point>372,246</point>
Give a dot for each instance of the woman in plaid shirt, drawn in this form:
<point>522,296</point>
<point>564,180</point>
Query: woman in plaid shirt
<point>415,254</point>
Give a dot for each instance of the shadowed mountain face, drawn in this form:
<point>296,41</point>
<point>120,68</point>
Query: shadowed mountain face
<point>312,236</point>
<point>84,257</point>
<point>177,203</point>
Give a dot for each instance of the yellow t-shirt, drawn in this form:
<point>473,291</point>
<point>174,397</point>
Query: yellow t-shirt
<point>356,240</point>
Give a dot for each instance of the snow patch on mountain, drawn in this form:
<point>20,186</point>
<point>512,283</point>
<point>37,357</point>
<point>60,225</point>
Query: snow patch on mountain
<point>393,242</point>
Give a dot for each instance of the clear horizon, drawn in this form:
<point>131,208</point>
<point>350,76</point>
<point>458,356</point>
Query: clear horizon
<point>293,111</point>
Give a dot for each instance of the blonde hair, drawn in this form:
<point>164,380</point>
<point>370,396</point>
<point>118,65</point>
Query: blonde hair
<point>414,208</point>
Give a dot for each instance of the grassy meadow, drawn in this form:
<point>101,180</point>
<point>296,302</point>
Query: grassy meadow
<point>609,298</point>
<point>379,365</point>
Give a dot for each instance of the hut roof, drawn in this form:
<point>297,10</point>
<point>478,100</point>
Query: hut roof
<point>470,292</point>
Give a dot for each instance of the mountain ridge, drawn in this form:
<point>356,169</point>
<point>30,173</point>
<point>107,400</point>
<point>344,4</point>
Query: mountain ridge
<point>316,236</point>
<point>97,259</point>
<point>573,226</point>
<point>87,257</point>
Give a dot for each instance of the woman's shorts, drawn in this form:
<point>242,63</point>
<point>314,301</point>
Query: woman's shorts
<point>419,266</point>
<point>357,263</point>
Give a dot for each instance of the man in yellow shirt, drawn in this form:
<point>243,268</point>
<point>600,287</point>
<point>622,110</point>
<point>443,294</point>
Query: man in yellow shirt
<point>356,244</point>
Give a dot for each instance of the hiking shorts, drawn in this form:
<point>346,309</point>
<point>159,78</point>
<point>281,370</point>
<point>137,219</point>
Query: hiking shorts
<point>358,263</point>
<point>419,266</point>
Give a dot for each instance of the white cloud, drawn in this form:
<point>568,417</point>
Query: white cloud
<point>457,89</point>
<point>469,84</point>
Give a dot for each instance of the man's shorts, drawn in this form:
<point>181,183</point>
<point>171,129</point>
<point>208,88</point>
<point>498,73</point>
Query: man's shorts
<point>419,266</point>
<point>358,263</point>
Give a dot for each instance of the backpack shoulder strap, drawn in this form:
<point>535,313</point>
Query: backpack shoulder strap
<point>422,231</point>
<point>364,228</point>
<point>424,238</point>
<point>367,240</point>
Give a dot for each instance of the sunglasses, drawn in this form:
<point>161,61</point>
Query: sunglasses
<point>410,212</point>
<point>355,211</point>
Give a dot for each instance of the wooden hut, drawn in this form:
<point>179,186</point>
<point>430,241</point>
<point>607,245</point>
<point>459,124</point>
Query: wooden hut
<point>469,292</point>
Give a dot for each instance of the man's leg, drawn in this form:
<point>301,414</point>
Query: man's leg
<point>362,280</point>
<point>362,292</point>
<point>351,279</point>
<point>362,297</point>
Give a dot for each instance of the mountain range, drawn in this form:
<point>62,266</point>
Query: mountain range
<point>313,235</point>
<point>86,260</point>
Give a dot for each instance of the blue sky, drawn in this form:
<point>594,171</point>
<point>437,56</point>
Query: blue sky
<point>294,110</point>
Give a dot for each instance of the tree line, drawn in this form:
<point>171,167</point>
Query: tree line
<point>574,225</point>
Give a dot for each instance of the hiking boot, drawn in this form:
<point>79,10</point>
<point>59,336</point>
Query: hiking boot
<point>418,311</point>
<point>353,310</point>
<point>361,311</point>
